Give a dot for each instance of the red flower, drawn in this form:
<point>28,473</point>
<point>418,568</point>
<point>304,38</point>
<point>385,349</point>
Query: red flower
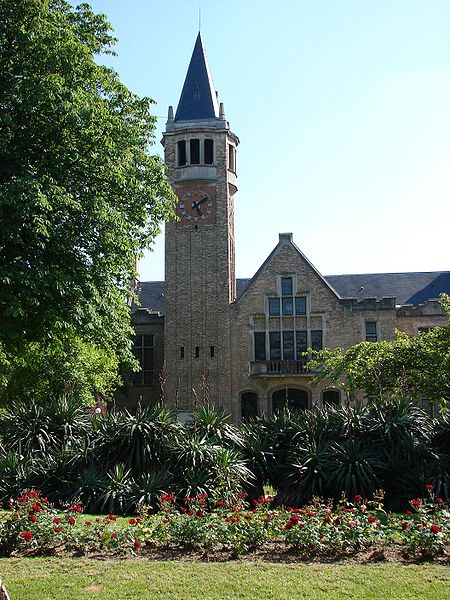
<point>113,535</point>
<point>326,519</point>
<point>288,525</point>
<point>337,521</point>
<point>170,498</point>
<point>87,523</point>
<point>405,525</point>
<point>372,520</point>
<point>408,512</point>
<point>357,497</point>
<point>248,517</point>
<point>439,500</point>
<point>416,502</point>
<point>199,513</point>
<point>428,486</point>
<point>220,503</point>
<point>36,508</point>
<point>190,513</point>
<point>71,520</point>
<point>32,518</point>
<point>26,535</point>
<point>435,529</point>
<point>111,517</point>
<point>56,520</point>
<point>57,529</point>
<point>132,521</point>
<point>351,523</point>
<point>227,519</point>
<point>136,544</point>
<point>165,520</point>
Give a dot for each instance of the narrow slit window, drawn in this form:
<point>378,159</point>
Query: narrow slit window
<point>197,351</point>
<point>181,153</point>
<point>195,152</point>
<point>181,351</point>
<point>212,351</point>
<point>209,152</point>
<point>231,158</point>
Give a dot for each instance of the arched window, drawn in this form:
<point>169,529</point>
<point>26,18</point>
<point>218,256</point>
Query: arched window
<point>249,405</point>
<point>331,398</point>
<point>290,398</point>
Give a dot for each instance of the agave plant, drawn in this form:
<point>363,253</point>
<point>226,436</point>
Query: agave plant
<point>356,465</point>
<point>213,423</point>
<point>147,489</point>
<point>258,452</point>
<point>140,441</point>
<point>116,489</point>
<point>306,474</point>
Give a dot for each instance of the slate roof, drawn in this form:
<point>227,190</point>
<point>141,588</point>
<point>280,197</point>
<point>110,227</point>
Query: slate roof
<point>198,99</point>
<point>407,288</point>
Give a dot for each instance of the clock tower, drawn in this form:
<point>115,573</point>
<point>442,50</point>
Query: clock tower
<point>200,284</point>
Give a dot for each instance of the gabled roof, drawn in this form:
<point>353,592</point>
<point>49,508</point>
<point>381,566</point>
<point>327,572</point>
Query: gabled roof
<point>286,239</point>
<point>198,99</point>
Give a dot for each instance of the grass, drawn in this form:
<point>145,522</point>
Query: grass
<point>64,579</point>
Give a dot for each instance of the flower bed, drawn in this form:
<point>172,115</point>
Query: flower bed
<point>33,527</point>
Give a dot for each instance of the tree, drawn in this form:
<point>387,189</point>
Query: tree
<point>80,195</point>
<point>411,367</point>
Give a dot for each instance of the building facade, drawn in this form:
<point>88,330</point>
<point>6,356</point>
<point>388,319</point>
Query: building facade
<point>204,336</point>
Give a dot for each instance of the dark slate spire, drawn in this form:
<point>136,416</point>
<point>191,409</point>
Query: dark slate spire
<point>198,99</point>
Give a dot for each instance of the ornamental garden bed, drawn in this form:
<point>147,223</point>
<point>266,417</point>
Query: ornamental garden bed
<point>208,529</point>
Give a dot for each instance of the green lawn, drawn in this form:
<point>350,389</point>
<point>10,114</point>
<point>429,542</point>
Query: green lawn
<point>61,579</point>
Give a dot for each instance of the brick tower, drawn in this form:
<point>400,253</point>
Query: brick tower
<point>200,154</point>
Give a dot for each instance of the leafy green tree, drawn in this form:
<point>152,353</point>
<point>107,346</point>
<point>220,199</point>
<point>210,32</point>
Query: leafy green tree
<point>409,366</point>
<point>81,196</point>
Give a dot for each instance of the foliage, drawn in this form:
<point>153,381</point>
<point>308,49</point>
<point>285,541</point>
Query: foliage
<point>119,461</point>
<point>80,195</point>
<point>412,367</point>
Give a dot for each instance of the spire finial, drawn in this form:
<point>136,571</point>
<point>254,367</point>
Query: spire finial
<point>199,18</point>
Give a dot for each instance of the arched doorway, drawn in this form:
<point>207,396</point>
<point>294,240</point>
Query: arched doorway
<point>249,405</point>
<point>331,398</point>
<point>291,398</point>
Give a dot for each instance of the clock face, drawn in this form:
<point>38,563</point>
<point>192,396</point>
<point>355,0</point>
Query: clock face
<point>195,206</point>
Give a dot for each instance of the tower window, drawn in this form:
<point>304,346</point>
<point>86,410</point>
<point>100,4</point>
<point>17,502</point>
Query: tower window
<point>212,351</point>
<point>209,152</point>
<point>195,152</point>
<point>197,351</point>
<point>181,351</point>
<point>143,351</point>
<point>231,158</point>
<point>181,153</point>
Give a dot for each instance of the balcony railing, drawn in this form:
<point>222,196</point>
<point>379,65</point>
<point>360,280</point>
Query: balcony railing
<point>279,367</point>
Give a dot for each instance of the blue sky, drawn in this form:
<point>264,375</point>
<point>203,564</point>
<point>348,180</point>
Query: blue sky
<point>342,108</point>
